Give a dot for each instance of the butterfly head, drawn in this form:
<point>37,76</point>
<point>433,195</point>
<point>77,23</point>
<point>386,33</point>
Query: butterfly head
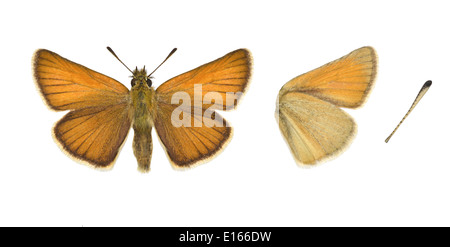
<point>140,78</point>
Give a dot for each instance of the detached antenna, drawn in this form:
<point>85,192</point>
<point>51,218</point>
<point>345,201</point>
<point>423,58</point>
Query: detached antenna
<point>422,92</point>
<point>114,54</point>
<point>170,54</point>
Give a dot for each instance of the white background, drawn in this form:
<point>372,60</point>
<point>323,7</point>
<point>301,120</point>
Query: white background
<point>255,181</point>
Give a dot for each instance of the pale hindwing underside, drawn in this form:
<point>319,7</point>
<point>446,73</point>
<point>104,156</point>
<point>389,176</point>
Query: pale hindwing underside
<point>313,128</point>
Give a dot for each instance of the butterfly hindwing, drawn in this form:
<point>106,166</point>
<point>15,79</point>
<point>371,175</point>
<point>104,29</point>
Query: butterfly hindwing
<point>99,121</point>
<point>185,143</point>
<point>94,134</point>
<point>313,128</point>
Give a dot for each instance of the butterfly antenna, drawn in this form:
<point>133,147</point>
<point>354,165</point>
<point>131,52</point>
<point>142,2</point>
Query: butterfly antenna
<point>170,54</point>
<point>422,92</point>
<point>114,54</point>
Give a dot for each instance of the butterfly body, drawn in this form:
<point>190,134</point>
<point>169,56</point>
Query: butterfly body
<point>143,106</point>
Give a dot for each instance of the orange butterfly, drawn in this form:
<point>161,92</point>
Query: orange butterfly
<point>308,105</point>
<point>102,110</point>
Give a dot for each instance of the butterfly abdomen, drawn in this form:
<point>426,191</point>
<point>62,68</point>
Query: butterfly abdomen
<point>142,148</point>
<point>143,104</point>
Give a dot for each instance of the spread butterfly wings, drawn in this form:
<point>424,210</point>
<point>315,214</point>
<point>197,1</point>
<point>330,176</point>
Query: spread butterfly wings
<point>204,132</point>
<point>310,121</point>
<point>98,122</point>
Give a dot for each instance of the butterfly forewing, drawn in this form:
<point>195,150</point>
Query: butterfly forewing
<point>345,82</point>
<point>227,75</point>
<point>96,128</point>
<point>66,85</point>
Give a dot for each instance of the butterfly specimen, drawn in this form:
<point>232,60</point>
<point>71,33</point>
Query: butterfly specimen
<point>421,93</point>
<point>182,110</point>
<point>308,112</point>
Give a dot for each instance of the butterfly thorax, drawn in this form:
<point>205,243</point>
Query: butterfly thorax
<point>143,102</point>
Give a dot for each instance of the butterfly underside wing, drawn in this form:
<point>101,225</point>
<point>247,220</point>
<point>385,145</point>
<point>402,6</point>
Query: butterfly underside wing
<point>308,112</point>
